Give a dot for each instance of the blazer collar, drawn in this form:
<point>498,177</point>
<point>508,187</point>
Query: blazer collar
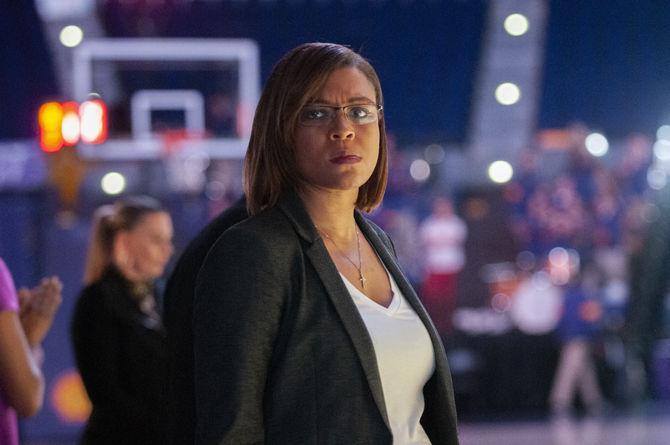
<point>292,206</point>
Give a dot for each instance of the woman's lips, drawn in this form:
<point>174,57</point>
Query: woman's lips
<point>346,159</point>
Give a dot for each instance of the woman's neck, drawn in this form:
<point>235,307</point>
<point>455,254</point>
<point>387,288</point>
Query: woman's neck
<point>332,211</point>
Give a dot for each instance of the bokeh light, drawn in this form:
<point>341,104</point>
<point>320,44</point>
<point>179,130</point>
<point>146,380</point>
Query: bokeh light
<point>113,183</point>
<point>663,133</point>
<point>516,24</point>
<point>662,149</point>
<point>69,398</point>
<point>501,302</point>
<point>215,190</point>
<point>70,127</point>
<point>597,144</point>
<point>525,260</point>
<point>71,36</point>
<point>657,178</point>
<point>558,257</point>
<point>507,93</point>
<point>434,153</point>
<point>419,170</point>
<point>500,172</point>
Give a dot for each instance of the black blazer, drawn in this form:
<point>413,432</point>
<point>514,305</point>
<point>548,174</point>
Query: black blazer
<point>178,321</point>
<point>282,355</point>
<point>121,356</point>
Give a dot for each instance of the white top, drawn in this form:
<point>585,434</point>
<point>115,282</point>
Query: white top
<point>405,358</point>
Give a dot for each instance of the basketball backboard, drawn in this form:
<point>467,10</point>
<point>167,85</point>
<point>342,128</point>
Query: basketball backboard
<point>204,90</point>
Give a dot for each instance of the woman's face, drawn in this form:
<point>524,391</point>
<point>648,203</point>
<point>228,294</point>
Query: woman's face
<point>339,155</point>
<point>147,247</point>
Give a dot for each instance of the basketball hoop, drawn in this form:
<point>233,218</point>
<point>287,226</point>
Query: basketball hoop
<point>174,140</point>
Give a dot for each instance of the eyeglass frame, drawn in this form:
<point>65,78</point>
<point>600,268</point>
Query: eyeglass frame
<point>378,109</point>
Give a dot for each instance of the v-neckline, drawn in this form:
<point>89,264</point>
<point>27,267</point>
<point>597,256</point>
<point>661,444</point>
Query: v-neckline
<point>389,310</point>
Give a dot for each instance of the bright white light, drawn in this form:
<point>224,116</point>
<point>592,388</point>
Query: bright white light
<point>597,144</point>
<point>113,183</point>
<point>500,172</point>
<point>70,127</point>
<point>516,24</point>
<point>419,170</point>
<point>434,153</point>
<point>663,133</point>
<point>71,36</point>
<point>662,149</point>
<point>91,120</point>
<point>508,93</point>
<point>656,178</point>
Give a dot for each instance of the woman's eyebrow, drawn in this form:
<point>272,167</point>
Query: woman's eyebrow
<point>349,101</point>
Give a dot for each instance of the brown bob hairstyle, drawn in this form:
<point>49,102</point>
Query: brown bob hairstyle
<point>269,166</point>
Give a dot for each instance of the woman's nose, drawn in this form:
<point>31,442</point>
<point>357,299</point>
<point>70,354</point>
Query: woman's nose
<point>341,128</point>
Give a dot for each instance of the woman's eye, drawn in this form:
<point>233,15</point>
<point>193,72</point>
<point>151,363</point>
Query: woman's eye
<point>315,114</point>
<point>359,112</point>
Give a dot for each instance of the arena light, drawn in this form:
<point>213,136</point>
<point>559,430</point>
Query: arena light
<point>71,36</point>
<point>70,124</point>
<point>419,170</point>
<point>93,116</point>
<point>65,124</point>
<point>113,183</point>
<point>507,93</point>
<point>663,133</point>
<point>662,149</point>
<point>597,144</point>
<point>500,172</point>
<point>50,120</point>
<point>657,178</point>
<point>516,24</point>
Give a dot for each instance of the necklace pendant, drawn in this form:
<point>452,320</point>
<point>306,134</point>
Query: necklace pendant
<point>362,279</point>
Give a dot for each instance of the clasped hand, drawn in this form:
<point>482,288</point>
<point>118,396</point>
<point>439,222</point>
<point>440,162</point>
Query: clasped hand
<point>37,308</point>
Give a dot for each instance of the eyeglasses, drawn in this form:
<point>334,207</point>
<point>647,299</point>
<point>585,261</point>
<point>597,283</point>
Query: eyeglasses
<point>320,115</point>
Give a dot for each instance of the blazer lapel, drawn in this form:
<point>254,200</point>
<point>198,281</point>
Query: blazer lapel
<point>292,206</point>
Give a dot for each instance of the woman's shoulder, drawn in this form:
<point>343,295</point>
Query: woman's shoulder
<point>268,228</point>
<point>264,243</point>
<point>90,297</point>
<point>97,296</point>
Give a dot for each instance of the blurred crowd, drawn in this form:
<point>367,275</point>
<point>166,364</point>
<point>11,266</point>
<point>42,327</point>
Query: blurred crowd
<point>577,219</point>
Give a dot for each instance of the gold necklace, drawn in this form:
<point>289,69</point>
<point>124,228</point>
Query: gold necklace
<point>359,268</point>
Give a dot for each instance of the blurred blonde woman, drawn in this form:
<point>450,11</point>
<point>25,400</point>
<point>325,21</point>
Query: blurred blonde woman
<point>118,336</point>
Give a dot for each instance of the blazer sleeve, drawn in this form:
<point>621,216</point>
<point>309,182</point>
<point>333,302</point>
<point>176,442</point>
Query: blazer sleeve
<point>239,298</point>
<point>97,347</point>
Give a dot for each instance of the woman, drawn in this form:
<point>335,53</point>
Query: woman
<point>25,319</point>
<point>305,329</point>
<point>118,338</point>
